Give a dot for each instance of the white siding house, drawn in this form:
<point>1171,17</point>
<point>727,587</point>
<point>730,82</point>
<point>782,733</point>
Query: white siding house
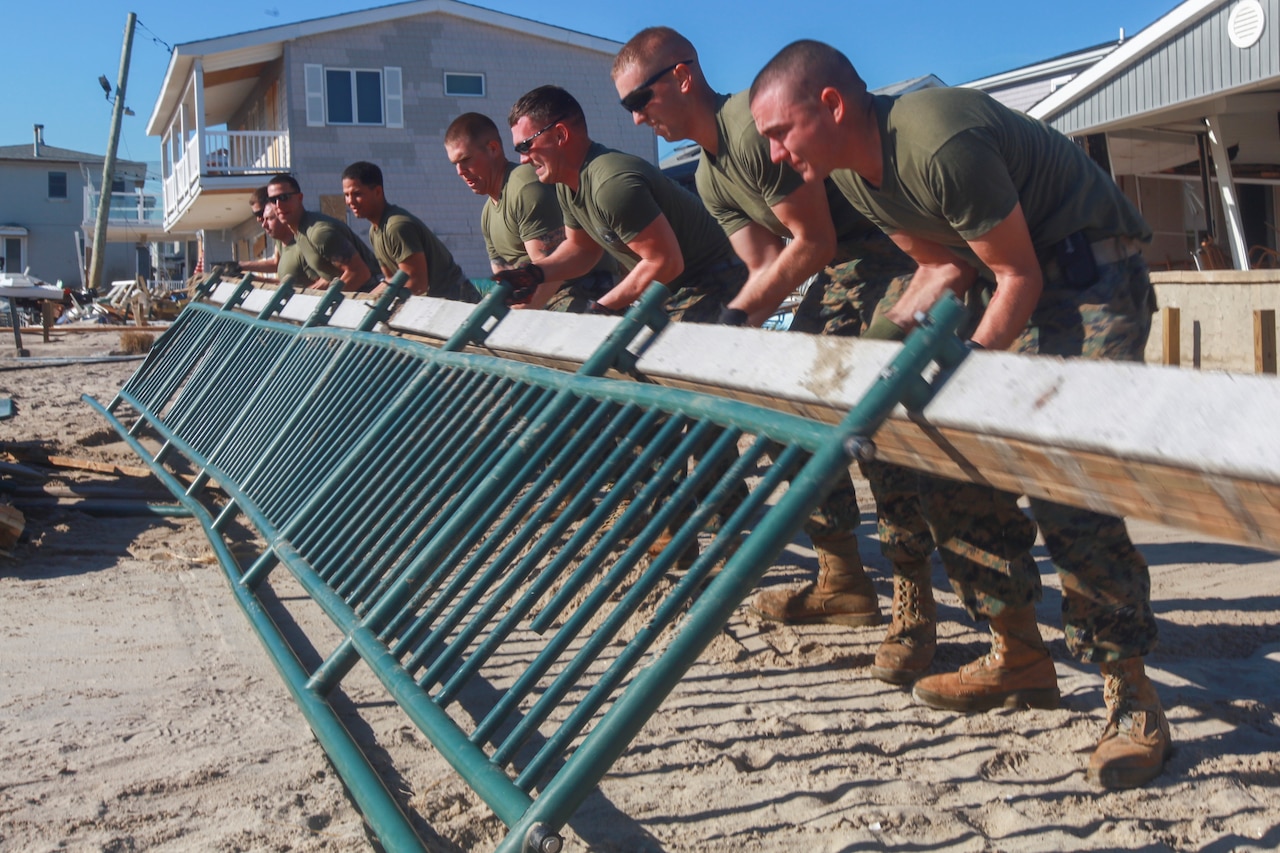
<point>48,206</point>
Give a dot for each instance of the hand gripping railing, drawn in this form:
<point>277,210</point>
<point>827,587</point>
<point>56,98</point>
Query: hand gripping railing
<point>478,529</point>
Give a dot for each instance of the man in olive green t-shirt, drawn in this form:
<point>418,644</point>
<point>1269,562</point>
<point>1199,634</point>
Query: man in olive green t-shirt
<point>401,241</point>
<point>289,261</point>
<point>328,245</point>
<point>521,219</point>
<point>788,230</point>
<point>618,203</point>
<point>258,204</point>
<point>975,191</point>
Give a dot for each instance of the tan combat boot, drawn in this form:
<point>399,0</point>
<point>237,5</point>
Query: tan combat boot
<point>908,648</point>
<point>684,562</point>
<point>1136,743</point>
<point>843,594</point>
<point>1017,673</point>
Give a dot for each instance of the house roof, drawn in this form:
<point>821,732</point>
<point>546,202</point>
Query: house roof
<point>1184,59</point>
<point>48,153</point>
<point>237,57</point>
<point>902,87</point>
<point>1066,63</point>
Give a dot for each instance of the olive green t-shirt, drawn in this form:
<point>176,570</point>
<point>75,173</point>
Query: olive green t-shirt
<point>526,209</point>
<point>293,264</point>
<point>399,234</point>
<point>322,240</point>
<point>957,162</point>
<point>619,195</point>
<point>740,184</point>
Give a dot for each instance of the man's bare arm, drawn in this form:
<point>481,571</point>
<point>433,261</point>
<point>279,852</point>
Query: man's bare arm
<point>1008,251</point>
<point>759,248</point>
<point>354,272</point>
<point>938,270</point>
<point>573,257</point>
<point>539,249</point>
<point>265,265</point>
<point>660,260</point>
<point>807,216</point>
<point>415,266</point>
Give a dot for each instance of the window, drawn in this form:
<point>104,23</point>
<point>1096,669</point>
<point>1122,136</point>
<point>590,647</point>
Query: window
<point>464,85</point>
<point>353,97</point>
<point>57,185</point>
<point>117,185</point>
<point>359,96</point>
<point>11,251</point>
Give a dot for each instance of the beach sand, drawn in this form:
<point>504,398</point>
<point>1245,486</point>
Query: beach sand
<point>138,711</point>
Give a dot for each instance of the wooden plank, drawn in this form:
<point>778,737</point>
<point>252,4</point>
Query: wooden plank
<point>1178,447</point>
<point>1264,341</point>
<point>430,320</point>
<point>1185,448</point>
<point>30,453</point>
<point>1171,321</point>
<point>95,465</point>
<point>94,329</point>
<point>12,523</point>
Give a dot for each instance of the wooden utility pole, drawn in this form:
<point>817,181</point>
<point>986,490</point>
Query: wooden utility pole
<point>109,162</point>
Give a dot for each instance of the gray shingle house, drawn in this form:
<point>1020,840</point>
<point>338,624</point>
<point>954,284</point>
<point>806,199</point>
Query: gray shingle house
<point>379,84</point>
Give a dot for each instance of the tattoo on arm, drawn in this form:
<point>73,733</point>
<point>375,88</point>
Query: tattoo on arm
<point>551,240</point>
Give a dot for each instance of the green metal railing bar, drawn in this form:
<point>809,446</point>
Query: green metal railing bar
<point>441,507</point>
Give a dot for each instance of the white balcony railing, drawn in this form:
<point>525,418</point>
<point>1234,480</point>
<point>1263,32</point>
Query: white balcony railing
<point>245,152</point>
<point>228,153</point>
<point>135,208</point>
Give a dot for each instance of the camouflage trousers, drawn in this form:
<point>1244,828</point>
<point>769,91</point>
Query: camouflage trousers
<point>984,537</point>
<point>702,297</point>
<point>574,294</point>
<point>843,297</point>
<point>866,276</point>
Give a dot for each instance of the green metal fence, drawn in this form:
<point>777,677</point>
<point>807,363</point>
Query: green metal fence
<point>472,523</point>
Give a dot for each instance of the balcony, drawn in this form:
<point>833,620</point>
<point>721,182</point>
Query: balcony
<point>130,216</point>
<point>197,186</point>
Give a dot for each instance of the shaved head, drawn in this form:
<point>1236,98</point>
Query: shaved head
<point>804,68</point>
<point>547,104</point>
<point>654,47</point>
<point>473,128</point>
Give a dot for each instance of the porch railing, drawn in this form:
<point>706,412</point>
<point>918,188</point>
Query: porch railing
<point>227,153</point>
<point>241,152</point>
<point>125,208</point>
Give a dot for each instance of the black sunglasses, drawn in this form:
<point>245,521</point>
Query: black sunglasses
<point>276,199</point>
<point>523,146</point>
<point>639,97</point>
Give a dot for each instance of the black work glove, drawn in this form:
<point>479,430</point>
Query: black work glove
<point>594,307</point>
<point>524,281</point>
<point>732,317</point>
<point>884,329</point>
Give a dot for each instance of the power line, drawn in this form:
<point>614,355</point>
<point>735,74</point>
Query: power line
<point>155,38</point>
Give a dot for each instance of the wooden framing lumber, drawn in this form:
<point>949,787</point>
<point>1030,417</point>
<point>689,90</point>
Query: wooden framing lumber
<point>1264,341</point>
<point>1186,448</point>
<point>1189,449</point>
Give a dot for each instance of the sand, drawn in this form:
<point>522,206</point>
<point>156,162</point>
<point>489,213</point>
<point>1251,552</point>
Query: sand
<point>138,711</point>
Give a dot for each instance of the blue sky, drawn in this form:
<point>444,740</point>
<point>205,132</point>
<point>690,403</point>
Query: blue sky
<point>55,50</point>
